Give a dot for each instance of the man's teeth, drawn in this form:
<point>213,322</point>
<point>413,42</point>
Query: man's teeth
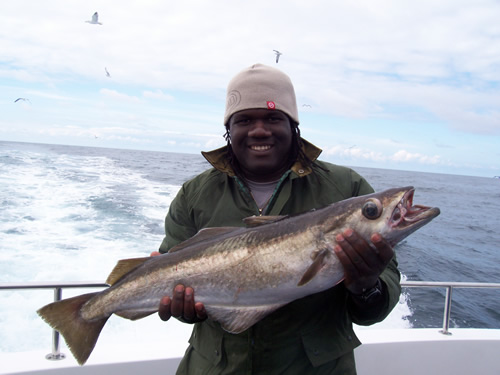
<point>260,148</point>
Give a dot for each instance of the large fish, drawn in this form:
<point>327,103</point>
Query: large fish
<point>241,274</point>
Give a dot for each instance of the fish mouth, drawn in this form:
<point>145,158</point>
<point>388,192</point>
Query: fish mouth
<point>406,215</point>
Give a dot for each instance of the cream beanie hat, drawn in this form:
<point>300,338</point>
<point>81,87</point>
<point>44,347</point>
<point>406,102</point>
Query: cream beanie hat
<point>261,86</point>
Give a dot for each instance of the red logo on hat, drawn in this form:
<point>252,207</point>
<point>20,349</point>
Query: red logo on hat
<point>271,105</point>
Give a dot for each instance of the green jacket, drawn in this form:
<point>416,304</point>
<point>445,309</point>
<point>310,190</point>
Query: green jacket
<point>310,335</point>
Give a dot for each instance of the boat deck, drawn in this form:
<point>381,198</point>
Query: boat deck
<point>384,351</point>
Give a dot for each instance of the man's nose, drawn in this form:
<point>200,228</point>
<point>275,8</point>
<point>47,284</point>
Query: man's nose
<point>260,128</point>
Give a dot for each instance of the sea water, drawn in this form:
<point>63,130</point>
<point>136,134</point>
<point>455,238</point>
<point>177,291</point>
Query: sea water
<point>69,213</point>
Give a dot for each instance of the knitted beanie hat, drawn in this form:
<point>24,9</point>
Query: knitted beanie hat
<point>261,86</point>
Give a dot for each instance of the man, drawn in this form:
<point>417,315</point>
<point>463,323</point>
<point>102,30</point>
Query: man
<point>268,169</point>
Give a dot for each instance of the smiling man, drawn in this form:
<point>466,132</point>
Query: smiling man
<point>268,169</point>
<point>262,139</point>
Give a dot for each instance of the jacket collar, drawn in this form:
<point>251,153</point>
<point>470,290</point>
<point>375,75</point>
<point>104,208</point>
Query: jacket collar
<point>218,159</point>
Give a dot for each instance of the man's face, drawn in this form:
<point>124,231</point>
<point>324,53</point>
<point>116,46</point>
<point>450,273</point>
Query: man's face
<point>261,140</point>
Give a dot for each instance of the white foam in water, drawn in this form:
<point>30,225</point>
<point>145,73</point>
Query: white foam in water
<point>52,230</point>
<point>70,218</point>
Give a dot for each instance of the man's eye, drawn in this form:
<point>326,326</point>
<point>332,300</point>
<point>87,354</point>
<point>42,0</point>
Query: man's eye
<point>241,121</point>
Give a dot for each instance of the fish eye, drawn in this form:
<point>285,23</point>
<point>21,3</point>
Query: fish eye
<point>372,209</point>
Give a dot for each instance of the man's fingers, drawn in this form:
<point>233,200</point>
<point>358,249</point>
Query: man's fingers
<point>350,270</point>
<point>363,261</point>
<point>350,243</point>
<point>182,305</point>
<point>384,250</point>
<point>189,313</point>
<point>164,309</point>
<point>354,239</point>
<point>200,311</point>
<point>177,305</point>
<point>363,255</point>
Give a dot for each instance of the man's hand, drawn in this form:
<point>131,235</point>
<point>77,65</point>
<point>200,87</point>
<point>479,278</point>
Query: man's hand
<point>182,304</point>
<point>363,262</point>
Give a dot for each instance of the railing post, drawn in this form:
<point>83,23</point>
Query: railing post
<point>447,311</point>
<point>56,355</point>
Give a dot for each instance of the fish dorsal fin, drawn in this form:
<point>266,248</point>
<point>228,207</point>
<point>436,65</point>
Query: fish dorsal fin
<point>203,235</point>
<point>255,221</point>
<point>315,267</point>
<point>236,319</point>
<point>123,267</point>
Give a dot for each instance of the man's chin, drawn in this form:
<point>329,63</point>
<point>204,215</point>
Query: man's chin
<point>263,172</point>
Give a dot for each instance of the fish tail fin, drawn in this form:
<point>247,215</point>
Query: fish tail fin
<point>81,335</point>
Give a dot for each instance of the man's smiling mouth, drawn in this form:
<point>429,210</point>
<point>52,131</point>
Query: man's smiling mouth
<point>260,147</point>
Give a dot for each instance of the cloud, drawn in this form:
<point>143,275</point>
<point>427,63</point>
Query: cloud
<point>355,153</point>
<point>405,156</point>
<point>113,94</point>
<point>157,94</point>
<point>49,95</point>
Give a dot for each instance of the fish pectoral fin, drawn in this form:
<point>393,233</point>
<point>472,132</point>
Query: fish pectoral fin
<point>255,221</point>
<point>134,314</point>
<point>236,319</point>
<point>123,267</point>
<point>203,235</point>
<point>315,267</point>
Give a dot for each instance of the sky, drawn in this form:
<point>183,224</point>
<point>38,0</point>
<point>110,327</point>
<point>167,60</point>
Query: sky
<point>397,84</point>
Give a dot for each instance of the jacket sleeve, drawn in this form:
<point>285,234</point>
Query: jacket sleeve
<point>179,225</point>
<point>359,185</point>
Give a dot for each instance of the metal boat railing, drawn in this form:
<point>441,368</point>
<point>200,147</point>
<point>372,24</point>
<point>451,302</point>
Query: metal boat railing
<point>59,286</point>
<point>449,289</point>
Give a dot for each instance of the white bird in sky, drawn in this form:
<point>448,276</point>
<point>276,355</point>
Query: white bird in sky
<point>278,54</point>
<point>95,19</point>
<point>107,73</point>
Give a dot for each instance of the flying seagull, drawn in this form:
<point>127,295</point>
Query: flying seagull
<point>306,105</point>
<point>95,19</point>
<point>23,99</point>
<point>278,54</point>
<point>107,73</point>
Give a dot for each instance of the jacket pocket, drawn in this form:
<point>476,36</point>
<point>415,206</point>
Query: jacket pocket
<point>322,346</point>
<point>207,342</point>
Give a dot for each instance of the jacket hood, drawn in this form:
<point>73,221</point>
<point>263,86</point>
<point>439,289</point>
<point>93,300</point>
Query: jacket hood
<point>219,159</point>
